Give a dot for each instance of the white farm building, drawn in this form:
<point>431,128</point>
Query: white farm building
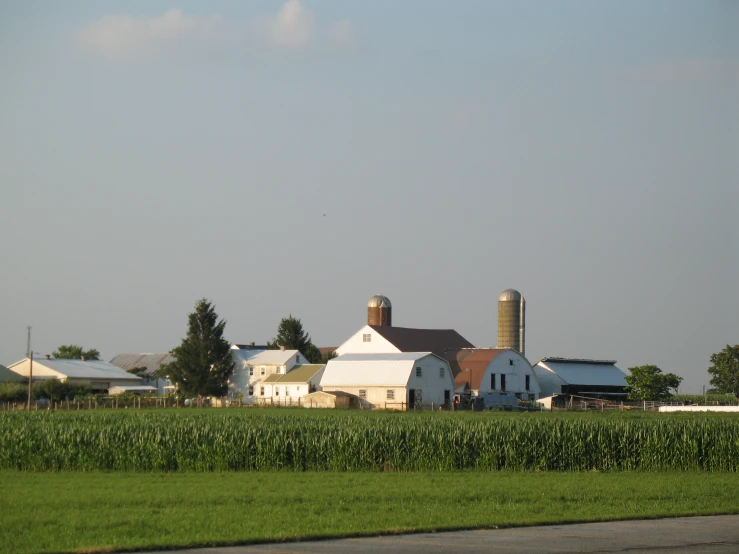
<point>100,375</point>
<point>290,388</point>
<point>402,380</point>
<point>578,377</point>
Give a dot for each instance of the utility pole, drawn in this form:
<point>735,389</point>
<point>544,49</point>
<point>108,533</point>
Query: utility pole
<point>29,353</point>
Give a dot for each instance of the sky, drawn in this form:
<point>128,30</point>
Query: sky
<point>298,157</point>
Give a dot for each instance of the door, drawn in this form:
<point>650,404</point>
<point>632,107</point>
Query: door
<point>411,399</point>
<point>447,398</point>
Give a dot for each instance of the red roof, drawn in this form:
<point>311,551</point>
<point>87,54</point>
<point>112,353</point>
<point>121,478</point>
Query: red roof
<point>476,360</point>
<point>437,341</point>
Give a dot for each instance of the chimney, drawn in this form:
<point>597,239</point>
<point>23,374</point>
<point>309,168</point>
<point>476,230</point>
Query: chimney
<point>282,347</point>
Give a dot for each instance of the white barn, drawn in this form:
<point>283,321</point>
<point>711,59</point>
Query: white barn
<point>403,380</point>
<point>382,339</point>
<point>254,366</point>
<point>501,376</point>
<point>100,375</point>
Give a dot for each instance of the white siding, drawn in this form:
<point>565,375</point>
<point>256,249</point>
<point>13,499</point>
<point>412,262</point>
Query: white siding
<point>356,344</point>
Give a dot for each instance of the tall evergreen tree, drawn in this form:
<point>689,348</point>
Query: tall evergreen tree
<point>203,362</point>
<point>292,336</point>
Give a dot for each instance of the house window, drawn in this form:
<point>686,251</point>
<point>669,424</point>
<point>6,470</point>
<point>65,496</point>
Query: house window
<point>251,370</point>
<point>502,381</point>
<point>510,362</point>
<point>297,358</point>
<point>390,394</point>
<point>419,372</point>
<point>363,394</point>
<point>251,391</point>
<point>528,382</point>
<point>261,391</point>
<point>287,391</point>
<point>441,372</point>
<point>492,381</point>
<point>264,370</point>
<point>367,337</point>
<point>277,391</point>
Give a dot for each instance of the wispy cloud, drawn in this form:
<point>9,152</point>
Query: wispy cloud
<point>130,37</point>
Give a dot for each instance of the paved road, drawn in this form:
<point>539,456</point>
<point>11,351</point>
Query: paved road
<point>713,534</point>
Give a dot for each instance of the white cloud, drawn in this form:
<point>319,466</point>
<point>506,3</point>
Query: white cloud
<point>292,27</point>
<point>128,37</point>
<point>344,34</point>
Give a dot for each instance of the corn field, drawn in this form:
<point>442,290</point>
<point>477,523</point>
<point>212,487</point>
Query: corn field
<point>253,441</point>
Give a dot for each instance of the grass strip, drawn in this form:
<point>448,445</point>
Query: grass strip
<point>106,512</point>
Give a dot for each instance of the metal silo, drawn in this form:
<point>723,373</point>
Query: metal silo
<point>379,311</point>
<point>512,320</point>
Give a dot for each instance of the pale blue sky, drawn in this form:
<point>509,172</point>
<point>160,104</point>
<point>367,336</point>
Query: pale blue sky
<point>584,153</point>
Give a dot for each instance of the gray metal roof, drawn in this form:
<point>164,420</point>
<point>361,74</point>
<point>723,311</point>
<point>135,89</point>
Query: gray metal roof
<point>509,295</point>
<point>579,372</point>
<point>379,301</point>
<point>80,369</point>
<point>152,362</point>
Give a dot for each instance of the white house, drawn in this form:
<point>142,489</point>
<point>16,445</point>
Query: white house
<point>149,364</point>
<point>100,375</point>
<point>290,388</point>
<point>502,376</point>
<point>383,339</point>
<point>254,366</point>
<point>403,380</point>
<point>579,377</point>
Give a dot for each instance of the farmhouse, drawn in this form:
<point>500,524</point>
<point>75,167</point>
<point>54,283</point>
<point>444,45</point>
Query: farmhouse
<point>253,366</point>
<point>147,366</point>
<point>289,388</point>
<point>100,375</point>
<point>501,376</point>
<point>578,377</point>
<point>403,380</point>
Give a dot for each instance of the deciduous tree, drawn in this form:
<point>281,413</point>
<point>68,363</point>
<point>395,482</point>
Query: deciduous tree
<point>203,362</point>
<point>725,370</point>
<point>647,382</point>
<point>75,352</point>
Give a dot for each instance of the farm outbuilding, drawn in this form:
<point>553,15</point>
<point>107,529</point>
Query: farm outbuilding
<point>580,377</point>
<point>333,399</point>
<point>141,391</point>
<point>399,381</point>
<point>147,365</point>
<point>100,375</point>
<point>501,376</point>
<point>254,366</point>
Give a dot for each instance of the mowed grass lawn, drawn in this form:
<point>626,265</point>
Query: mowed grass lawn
<point>104,512</point>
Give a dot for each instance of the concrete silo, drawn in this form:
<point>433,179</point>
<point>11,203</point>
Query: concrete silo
<point>380,311</point>
<point>512,321</point>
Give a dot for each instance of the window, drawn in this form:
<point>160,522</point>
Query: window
<point>502,381</point>
<point>297,389</point>
<point>528,382</point>
<point>492,381</point>
<point>390,394</point>
<point>363,394</point>
<point>264,370</point>
<point>251,391</point>
<point>277,391</point>
<point>261,391</point>
<point>251,370</point>
<point>441,372</point>
<point>297,358</point>
<point>419,372</point>
<point>287,391</point>
<point>367,337</point>
<point>510,362</point>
